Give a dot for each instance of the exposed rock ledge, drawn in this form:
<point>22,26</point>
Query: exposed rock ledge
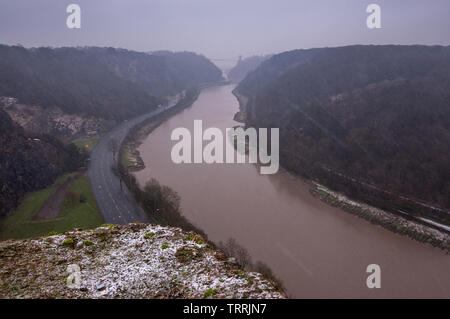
<point>53,120</point>
<point>132,261</point>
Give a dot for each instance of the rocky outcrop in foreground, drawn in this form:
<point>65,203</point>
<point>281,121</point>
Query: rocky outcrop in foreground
<point>132,261</point>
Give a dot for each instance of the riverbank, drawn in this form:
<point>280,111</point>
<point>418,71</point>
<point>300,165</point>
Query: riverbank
<point>382,218</point>
<point>129,155</point>
<point>414,227</point>
<point>425,231</point>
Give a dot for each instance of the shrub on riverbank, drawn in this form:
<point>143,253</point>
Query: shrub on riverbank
<point>160,202</point>
<point>232,249</point>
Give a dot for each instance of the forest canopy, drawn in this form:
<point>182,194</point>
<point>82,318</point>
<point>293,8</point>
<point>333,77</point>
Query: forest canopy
<point>103,82</point>
<point>379,115</point>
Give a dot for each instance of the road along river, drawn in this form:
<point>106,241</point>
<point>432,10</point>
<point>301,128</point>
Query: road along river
<point>116,203</point>
<point>315,249</point>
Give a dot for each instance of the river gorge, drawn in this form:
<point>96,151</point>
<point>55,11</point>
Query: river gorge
<point>316,250</point>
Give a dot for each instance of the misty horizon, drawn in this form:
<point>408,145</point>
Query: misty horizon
<point>223,30</point>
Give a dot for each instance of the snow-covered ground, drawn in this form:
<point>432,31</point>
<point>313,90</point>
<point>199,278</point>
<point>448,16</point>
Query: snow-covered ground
<point>132,261</point>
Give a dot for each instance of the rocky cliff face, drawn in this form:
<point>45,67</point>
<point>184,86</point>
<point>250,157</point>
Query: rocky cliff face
<point>54,121</point>
<point>132,261</point>
<point>245,66</point>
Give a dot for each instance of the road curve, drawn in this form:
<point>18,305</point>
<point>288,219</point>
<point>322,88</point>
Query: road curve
<point>117,206</point>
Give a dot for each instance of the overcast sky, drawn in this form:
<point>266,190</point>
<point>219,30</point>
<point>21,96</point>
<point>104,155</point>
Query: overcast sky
<point>223,29</point>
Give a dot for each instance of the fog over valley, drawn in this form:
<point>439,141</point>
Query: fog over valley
<point>222,29</point>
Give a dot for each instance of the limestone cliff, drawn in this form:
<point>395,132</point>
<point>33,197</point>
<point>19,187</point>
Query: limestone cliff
<point>132,261</point>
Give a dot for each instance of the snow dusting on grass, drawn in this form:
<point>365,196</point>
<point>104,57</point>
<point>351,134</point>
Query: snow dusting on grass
<point>132,261</point>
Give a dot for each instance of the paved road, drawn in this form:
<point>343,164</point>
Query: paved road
<point>117,206</point>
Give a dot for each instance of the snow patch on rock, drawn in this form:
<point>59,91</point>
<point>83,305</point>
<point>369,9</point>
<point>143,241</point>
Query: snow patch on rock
<point>131,261</point>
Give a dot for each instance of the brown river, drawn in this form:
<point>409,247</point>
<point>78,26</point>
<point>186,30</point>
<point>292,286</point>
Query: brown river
<point>317,251</point>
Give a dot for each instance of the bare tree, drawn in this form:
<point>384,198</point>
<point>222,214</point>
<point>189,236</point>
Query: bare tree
<point>232,249</point>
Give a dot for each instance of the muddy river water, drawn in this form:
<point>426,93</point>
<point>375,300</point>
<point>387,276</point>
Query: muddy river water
<point>315,249</point>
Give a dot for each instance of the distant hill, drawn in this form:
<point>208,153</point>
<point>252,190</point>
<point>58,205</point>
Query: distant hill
<point>103,82</point>
<point>189,69</point>
<point>361,115</point>
<point>245,66</point>
<point>30,162</point>
<point>99,85</point>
